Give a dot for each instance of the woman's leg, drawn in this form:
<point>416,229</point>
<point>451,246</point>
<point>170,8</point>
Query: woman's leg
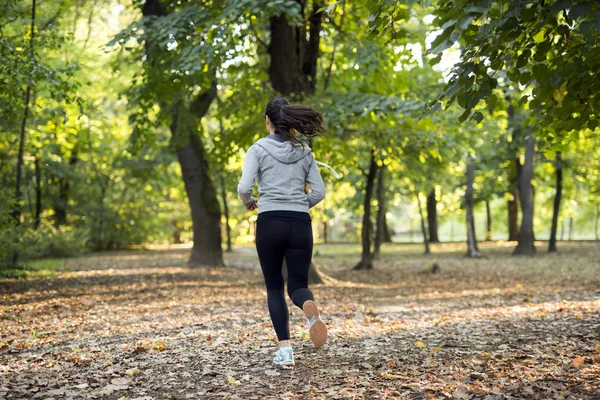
<point>271,245</point>
<point>298,258</point>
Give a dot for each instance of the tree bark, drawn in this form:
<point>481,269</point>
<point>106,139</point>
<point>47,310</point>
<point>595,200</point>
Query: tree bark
<point>201,192</point>
<point>488,225</point>
<point>423,230</point>
<point>472,249</point>
<point>557,198</point>
<point>513,206</point>
<point>432,222</point>
<point>202,196</point>
<point>513,216</point>
<point>381,211</point>
<point>64,188</point>
<point>570,228</point>
<point>226,210</point>
<point>526,245</point>
<point>366,261</point>
<point>293,67</point>
<point>597,221</point>
<point>325,231</point>
<point>38,194</point>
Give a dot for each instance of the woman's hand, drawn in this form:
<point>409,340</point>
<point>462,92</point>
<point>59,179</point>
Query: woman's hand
<point>252,205</point>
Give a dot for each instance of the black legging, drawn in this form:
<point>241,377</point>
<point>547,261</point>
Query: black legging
<point>286,234</point>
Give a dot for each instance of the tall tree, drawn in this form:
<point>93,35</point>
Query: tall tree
<point>186,110</point>
<point>366,259</point>
<point>526,245</point>
<point>557,198</point>
<point>432,217</point>
<point>472,249</point>
<point>423,229</point>
<point>381,226</point>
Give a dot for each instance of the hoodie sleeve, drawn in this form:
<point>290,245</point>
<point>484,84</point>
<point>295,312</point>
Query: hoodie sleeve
<point>249,173</point>
<point>315,182</point>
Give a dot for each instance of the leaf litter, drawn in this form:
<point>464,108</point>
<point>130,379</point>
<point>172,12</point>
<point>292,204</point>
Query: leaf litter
<point>141,325</point>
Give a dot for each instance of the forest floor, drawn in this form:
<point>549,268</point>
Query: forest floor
<point>141,325</point>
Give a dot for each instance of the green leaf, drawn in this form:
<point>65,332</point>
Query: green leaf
<point>478,116</point>
<point>579,10</point>
<point>463,117</point>
<point>593,124</point>
<point>492,100</point>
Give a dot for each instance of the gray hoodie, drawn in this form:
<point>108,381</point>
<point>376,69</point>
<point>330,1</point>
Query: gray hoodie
<point>281,170</point>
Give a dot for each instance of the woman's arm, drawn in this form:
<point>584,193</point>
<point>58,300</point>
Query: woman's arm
<point>249,173</point>
<point>315,182</point>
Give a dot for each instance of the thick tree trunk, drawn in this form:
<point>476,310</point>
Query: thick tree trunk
<point>526,245</point>
<point>381,210</point>
<point>557,197</point>
<point>202,196</point>
<point>432,222</point>
<point>472,249</point>
<point>423,229</point>
<point>488,225</point>
<point>387,236</point>
<point>226,210</point>
<point>293,67</point>
<point>366,261</point>
<point>38,194</point>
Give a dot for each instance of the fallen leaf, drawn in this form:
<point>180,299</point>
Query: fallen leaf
<point>578,361</point>
<point>233,381</point>
<point>418,343</point>
<point>132,371</point>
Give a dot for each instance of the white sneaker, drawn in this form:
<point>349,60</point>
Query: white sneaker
<point>285,357</point>
<point>317,329</point>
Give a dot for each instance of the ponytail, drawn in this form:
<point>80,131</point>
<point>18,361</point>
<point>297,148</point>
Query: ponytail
<point>289,121</point>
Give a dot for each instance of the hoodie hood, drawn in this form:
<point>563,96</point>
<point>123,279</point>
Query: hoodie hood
<point>284,152</point>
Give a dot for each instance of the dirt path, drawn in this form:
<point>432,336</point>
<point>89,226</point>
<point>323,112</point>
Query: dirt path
<point>141,325</point>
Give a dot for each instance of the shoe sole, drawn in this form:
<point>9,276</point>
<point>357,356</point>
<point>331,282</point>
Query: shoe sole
<point>317,332</point>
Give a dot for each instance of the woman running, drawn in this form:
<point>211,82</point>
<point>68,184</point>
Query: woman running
<point>282,164</point>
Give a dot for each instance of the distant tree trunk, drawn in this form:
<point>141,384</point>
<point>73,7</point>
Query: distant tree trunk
<point>226,210</point>
<point>562,230</point>
<point>64,188</point>
<point>423,229</point>
<point>488,225</point>
<point>472,250</point>
<point>513,206</point>
<point>387,237</point>
<point>381,210</point>
<point>432,222</point>
<point>557,197</point>
<point>571,228</point>
<point>597,221</point>
<point>366,261</point>
<point>38,194</point>
<point>526,245</point>
<point>325,231</point>
<point>176,232</point>
<point>513,216</point>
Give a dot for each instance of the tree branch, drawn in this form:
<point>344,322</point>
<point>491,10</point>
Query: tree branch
<point>258,39</point>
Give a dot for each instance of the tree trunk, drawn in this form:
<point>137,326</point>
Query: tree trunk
<point>423,230</point>
<point>293,67</point>
<point>366,261</point>
<point>513,206</point>
<point>526,245</point>
<point>381,210</point>
<point>226,210</point>
<point>325,231</point>
<point>570,228</point>
<point>432,223</point>
<point>472,250</point>
<point>38,194</point>
<point>387,236</point>
<point>201,192</point>
<point>597,221</point>
<point>64,188</point>
<point>176,232</point>
<point>557,197</point>
<point>513,216</point>
<point>488,225</point>
<point>202,196</point>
